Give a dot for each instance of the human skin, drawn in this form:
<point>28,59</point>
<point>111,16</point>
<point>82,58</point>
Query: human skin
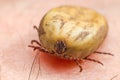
<point>17,19</point>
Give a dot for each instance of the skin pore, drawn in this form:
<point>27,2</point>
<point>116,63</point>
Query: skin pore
<point>17,18</point>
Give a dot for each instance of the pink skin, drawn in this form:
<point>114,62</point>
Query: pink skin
<point>17,18</point>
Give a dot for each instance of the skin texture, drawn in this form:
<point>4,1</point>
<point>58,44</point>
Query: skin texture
<point>17,18</point>
<point>82,30</point>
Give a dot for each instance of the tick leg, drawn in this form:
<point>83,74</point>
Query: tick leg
<point>35,41</point>
<point>77,62</point>
<point>39,48</point>
<point>103,53</point>
<point>34,47</point>
<point>93,60</point>
<point>35,27</point>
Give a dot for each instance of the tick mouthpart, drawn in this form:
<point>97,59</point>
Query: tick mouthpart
<point>60,47</point>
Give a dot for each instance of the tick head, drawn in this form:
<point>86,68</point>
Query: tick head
<point>60,47</point>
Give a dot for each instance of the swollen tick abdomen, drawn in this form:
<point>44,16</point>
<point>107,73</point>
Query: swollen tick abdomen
<point>71,32</point>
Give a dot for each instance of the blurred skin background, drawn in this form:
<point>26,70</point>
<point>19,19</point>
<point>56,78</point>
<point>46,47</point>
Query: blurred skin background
<point>17,18</point>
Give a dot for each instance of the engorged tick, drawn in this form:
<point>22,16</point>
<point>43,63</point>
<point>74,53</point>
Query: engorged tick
<point>77,39</point>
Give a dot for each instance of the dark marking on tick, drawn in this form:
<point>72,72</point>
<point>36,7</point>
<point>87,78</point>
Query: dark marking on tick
<point>77,23</point>
<point>41,31</point>
<point>59,17</point>
<point>46,24</point>
<point>71,18</point>
<point>69,33</point>
<point>60,47</point>
<point>82,35</point>
<point>62,23</point>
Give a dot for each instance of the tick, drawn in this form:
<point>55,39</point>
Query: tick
<point>71,32</point>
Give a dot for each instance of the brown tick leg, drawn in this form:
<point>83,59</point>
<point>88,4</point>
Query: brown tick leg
<point>35,41</point>
<point>103,53</point>
<point>77,62</point>
<point>35,27</point>
<point>93,60</point>
<point>39,48</point>
<point>35,47</point>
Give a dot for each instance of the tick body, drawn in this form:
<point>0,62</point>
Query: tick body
<point>71,32</point>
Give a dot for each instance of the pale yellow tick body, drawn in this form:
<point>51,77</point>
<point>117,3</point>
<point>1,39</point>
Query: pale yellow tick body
<point>72,32</point>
